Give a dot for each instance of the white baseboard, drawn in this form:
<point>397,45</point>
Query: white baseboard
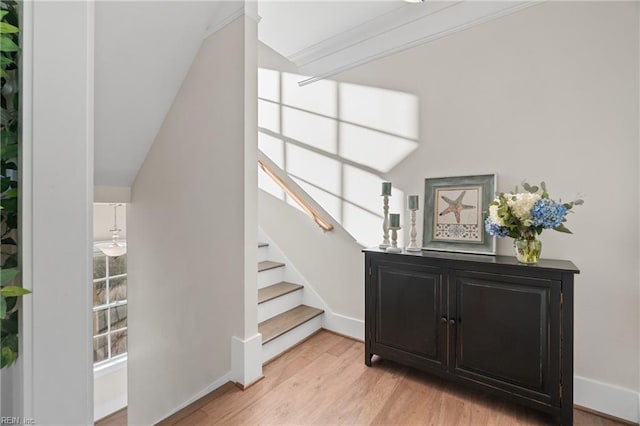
<point>605,398</point>
<point>342,324</point>
<point>227,377</point>
<point>246,359</point>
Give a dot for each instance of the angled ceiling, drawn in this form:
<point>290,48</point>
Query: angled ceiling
<point>145,48</point>
<point>143,52</point>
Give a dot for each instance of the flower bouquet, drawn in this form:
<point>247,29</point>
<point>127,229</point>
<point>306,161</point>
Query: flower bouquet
<point>523,215</point>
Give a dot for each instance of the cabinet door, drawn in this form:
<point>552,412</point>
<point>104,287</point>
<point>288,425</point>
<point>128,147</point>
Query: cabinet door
<point>407,312</point>
<point>507,334</point>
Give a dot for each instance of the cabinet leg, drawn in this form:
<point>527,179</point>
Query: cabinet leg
<point>367,359</point>
<point>566,417</point>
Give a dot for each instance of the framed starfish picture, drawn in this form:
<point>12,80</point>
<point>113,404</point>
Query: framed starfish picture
<point>454,212</point>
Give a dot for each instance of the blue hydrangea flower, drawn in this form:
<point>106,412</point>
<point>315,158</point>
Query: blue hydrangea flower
<point>547,213</point>
<point>494,229</point>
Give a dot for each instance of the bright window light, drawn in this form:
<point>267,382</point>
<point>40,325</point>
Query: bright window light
<point>269,116</point>
<point>269,84</point>
<point>311,129</point>
<point>386,110</point>
<point>370,148</point>
<point>320,97</point>
<point>317,169</point>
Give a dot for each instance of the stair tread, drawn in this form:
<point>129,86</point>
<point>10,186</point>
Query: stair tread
<point>268,264</point>
<point>276,290</point>
<point>260,245</point>
<point>286,321</point>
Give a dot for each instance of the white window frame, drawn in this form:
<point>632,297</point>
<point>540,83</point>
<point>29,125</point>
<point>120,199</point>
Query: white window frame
<point>120,358</point>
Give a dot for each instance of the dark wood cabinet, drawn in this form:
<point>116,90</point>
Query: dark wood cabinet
<point>484,321</point>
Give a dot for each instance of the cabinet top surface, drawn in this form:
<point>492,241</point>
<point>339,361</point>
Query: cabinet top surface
<point>554,264</point>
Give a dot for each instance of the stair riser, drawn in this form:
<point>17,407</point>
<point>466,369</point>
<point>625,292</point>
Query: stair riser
<point>263,253</point>
<point>279,305</point>
<point>280,344</point>
<point>270,277</point>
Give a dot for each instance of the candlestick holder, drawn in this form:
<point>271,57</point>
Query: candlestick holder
<point>393,248</point>
<point>385,223</point>
<point>413,246</point>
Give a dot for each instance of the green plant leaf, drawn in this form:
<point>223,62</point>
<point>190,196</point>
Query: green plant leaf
<point>543,186</point>
<point>3,13</point>
<point>7,275</point>
<point>10,204</point>
<point>14,291</point>
<point>9,152</point>
<point>12,193</point>
<point>6,28</point>
<point>7,357</point>
<point>3,307</point>
<point>7,45</point>
<point>563,229</point>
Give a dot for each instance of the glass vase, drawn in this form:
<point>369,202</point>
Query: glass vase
<point>527,251</point>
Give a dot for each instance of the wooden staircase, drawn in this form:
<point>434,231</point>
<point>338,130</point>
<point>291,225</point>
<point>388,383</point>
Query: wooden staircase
<point>283,319</point>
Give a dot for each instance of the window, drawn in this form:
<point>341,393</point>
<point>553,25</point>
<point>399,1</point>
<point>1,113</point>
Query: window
<point>109,307</point>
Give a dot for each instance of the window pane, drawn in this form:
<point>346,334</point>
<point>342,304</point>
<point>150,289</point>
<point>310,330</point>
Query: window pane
<point>118,342</point>
<point>100,322</point>
<point>99,293</point>
<point>100,348</point>
<point>99,266</point>
<point>117,289</point>
<point>118,317</point>
<point>118,265</point>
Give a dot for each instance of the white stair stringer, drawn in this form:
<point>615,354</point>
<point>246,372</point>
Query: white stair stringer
<point>280,344</point>
<point>332,321</point>
<point>273,307</point>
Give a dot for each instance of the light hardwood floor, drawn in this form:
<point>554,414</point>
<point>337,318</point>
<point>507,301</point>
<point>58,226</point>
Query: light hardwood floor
<point>324,381</point>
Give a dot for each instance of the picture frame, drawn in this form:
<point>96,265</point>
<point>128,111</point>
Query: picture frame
<point>455,209</point>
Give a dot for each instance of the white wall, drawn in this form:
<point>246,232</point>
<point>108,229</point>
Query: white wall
<point>110,390</point>
<point>111,194</point>
<point>57,184</point>
<point>187,232</point>
<point>548,93</point>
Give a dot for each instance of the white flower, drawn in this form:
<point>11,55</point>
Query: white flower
<point>493,216</point>
<point>522,205</point>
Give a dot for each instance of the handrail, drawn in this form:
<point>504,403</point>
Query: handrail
<point>322,223</point>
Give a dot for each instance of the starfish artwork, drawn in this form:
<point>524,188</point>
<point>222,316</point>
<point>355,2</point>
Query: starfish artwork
<point>455,206</point>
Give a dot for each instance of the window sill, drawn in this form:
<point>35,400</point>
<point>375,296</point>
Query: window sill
<point>110,367</point>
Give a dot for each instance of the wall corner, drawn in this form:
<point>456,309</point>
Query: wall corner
<point>246,360</point>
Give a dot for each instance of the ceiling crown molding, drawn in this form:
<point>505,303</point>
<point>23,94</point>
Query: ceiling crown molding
<point>229,15</point>
<point>398,30</point>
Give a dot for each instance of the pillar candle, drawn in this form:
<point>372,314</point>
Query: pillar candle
<point>413,202</point>
<point>394,220</point>
<point>386,188</point>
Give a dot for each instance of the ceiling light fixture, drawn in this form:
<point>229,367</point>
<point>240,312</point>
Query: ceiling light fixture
<point>414,1</point>
<point>113,249</point>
